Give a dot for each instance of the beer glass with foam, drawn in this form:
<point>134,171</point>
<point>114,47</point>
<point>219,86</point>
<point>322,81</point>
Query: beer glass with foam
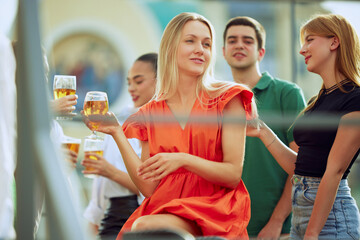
<point>93,146</point>
<point>72,144</point>
<point>96,103</point>
<point>64,85</point>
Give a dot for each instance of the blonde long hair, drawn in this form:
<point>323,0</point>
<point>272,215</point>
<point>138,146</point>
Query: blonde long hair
<point>168,75</point>
<point>348,53</point>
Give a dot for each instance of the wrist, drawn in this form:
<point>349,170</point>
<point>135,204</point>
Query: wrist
<point>184,160</point>
<point>310,237</point>
<point>267,136</point>
<point>311,234</point>
<point>277,220</point>
<point>270,143</point>
<point>117,132</point>
<point>111,173</point>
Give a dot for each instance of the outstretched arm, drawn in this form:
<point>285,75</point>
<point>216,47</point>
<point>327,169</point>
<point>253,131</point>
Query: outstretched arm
<point>110,125</point>
<point>226,173</point>
<point>284,155</point>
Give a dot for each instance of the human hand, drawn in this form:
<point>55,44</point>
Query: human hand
<point>271,231</point>
<point>107,123</point>
<point>94,228</point>
<point>99,167</point>
<point>159,166</point>
<point>64,105</point>
<point>71,157</point>
<point>254,130</point>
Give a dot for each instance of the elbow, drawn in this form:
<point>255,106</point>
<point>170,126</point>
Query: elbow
<point>146,193</point>
<point>335,173</point>
<point>234,181</point>
<point>290,171</point>
<point>235,178</point>
<point>147,190</point>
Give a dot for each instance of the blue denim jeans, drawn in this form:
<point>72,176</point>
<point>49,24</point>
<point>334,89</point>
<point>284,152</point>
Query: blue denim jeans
<point>343,221</point>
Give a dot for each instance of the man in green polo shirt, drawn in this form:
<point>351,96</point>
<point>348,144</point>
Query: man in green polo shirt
<point>268,184</point>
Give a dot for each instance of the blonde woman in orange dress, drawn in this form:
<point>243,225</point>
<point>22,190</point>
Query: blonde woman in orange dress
<point>190,173</point>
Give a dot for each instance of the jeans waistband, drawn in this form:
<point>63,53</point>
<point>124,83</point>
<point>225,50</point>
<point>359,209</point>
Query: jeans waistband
<point>304,179</point>
<point>298,179</point>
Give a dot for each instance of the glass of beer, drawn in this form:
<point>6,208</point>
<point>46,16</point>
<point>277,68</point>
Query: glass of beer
<point>71,143</point>
<point>64,85</point>
<point>94,146</point>
<point>96,103</point>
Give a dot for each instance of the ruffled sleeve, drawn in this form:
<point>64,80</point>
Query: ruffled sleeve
<point>245,95</point>
<point>135,126</point>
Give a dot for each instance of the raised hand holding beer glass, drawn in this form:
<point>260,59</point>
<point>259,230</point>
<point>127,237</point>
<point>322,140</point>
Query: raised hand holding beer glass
<point>64,88</point>
<point>95,105</point>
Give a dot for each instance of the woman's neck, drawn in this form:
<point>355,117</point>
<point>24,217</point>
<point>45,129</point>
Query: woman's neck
<point>186,89</point>
<point>331,78</point>
<point>330,73</point>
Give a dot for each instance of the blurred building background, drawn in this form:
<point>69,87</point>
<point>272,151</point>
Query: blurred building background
<point>98,41</point>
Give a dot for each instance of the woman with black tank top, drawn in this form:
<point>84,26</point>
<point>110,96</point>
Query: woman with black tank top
<point>323,207</point>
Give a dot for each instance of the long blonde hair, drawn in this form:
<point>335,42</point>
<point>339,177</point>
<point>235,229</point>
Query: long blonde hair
<point>168,76</point>
<point>348,53</point>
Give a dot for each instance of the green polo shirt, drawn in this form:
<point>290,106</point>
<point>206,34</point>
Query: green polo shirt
<point>262,175</point>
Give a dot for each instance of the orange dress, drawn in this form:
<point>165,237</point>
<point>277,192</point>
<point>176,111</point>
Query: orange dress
<point>217,210</point>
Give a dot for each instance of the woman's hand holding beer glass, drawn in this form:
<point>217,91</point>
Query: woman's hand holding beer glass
<point>64,88</point>
<point>96,105</point>
<point>99,166</point>
<point>107,123</point>
<point>96,116</point>
<point>65,105</point>
<point>93,151</point>
<point>71,146</point>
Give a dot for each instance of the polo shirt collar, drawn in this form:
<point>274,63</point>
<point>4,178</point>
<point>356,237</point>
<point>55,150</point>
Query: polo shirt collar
<point>264,82</point>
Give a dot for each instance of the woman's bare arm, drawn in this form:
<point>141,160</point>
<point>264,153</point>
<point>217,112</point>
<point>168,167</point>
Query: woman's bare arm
<point>346,144</point>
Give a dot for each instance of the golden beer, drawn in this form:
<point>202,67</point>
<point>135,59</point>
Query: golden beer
<point>71,143</point>
<point>93,146</point>
<point>95,108</point>
<point>64,85</point>
<point>62,92</point>
<point>100,152</point>
<point>72,146</point>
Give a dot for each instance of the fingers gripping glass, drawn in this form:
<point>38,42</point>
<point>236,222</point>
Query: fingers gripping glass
<point>93,146</point>
<point>71,143</point>
<point>64,85</point>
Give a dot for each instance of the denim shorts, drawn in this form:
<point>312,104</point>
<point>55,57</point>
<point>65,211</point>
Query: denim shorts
<point>343,221</point>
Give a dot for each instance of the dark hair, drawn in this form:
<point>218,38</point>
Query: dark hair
<point>248,21</point>
<point>151,58</point>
